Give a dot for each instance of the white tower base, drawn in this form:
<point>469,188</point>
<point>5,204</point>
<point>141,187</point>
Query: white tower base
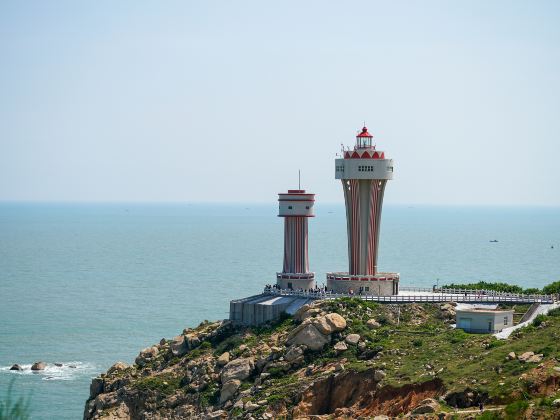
<point>295,281</point>
<point>380,284</point>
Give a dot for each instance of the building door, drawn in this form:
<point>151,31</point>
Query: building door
<point>465,323</point>
<point>490,329</point>
<point>290,285</point>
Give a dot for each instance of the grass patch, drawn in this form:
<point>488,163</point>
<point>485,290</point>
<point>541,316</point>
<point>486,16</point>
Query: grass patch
<point>516,409</point>
<point>209,396</point>
<point>166,384</point>
<point>228,344</point>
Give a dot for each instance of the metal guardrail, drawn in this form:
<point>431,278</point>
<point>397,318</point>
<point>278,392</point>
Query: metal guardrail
<point>484,292</point>
<point>436,297</point>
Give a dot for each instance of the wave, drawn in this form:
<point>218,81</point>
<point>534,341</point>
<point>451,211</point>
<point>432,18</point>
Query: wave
<point>67,372</point>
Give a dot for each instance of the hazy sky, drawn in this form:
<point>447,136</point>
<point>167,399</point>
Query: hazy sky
<point>225,100</point>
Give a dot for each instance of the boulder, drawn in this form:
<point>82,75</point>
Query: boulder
<point>309,336</point>
<point>192,340</point>
<point>229,389</point>
<point>381,417</point>
<point>536,358</point>
<point>336,322</point>
<point>298,315</point>
<point>223,359</point>
<point>525,356</point>
<point>251,406</point>
<point>146,355</point>
<point>96,387</point>
<point>556,402</point>
<point>294,353</point>
<point>427,406</point>
<point>16,367</point>
<point>213,415</point>
<point>352,339</point>
<point>178,346</point>
<point>372,324</point>
<point>238,369</point>
<point>340,347</point>
<point>379,375</point>
<point>117,367</point>
<point>511,355</point>
<point>39,366</point>
<point>329,323</point>
<point>310,313</point>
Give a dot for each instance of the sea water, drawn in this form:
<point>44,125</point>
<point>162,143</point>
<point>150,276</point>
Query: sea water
<point>87,285</point>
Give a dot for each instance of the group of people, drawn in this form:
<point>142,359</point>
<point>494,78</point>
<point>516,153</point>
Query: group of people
<point>322,290</point>
<point>317,290</point>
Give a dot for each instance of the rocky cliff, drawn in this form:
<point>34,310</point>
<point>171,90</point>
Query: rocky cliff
<point>345,359</point>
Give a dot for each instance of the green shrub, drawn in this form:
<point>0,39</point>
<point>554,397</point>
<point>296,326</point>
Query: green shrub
<point>417,343</point>
<point>489,415</point>
<point>276,372</point>
<point>496,343</point>
<point>166,384</point>
<point>539,319</point>
<point>458,336</point>
<point>14,410</point>
<point>554,312</point>
<point>516,409</point>
<point>228,344</point>
<point>552,288</point>
<point>209,396</point>
<point>482,285</point>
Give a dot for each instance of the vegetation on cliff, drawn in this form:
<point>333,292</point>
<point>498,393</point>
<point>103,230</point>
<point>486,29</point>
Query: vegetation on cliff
<point>550,289</point>
<point>339,358</point>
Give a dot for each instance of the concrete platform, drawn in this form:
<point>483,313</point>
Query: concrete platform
<point>258,309</point>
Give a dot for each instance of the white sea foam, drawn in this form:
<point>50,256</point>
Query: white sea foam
<point>66,372</point>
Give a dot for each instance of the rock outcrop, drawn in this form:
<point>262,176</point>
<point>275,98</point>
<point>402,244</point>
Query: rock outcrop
<point>333,359</point>
<point>38,366</point>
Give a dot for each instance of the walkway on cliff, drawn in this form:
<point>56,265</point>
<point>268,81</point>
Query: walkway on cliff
<point>425,295</point>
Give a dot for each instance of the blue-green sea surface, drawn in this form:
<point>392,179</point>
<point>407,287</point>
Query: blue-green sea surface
<point>90,284</point>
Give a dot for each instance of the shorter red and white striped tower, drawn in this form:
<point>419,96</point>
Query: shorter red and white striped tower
<point>364,172</point>
<point>295,206</point>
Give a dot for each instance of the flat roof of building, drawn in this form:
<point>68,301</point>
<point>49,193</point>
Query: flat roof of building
<point>485,310</point>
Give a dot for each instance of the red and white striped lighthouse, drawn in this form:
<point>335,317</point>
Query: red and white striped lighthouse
<point>295,206</point>
<point>364,172</point>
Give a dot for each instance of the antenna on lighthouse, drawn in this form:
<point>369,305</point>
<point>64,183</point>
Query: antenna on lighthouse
<point>299,179</point>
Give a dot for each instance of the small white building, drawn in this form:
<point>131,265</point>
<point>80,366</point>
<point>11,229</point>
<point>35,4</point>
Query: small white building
<point>481,320</point>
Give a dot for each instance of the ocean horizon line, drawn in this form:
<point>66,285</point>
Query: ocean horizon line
<point>267,203</point>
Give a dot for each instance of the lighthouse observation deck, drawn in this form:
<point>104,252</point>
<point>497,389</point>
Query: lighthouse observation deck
<point>364,168</point>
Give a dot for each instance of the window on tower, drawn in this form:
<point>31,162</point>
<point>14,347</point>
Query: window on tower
<point>289,207</point>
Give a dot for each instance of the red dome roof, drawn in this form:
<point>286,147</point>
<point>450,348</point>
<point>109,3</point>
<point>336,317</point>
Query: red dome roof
<point>364,133</point>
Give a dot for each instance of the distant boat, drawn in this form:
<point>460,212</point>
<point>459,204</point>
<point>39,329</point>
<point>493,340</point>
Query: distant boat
<point>494,240</point>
